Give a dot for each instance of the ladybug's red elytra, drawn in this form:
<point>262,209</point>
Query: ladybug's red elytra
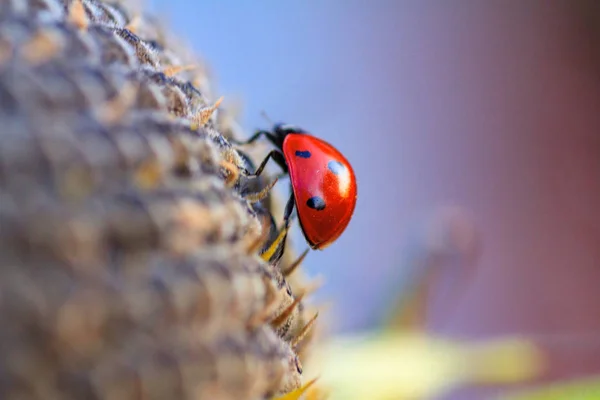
<point>323,182</point>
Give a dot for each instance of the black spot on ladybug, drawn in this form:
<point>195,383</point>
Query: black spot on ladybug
<point>316,203</point>
<point>336,167</point>
<point>303,154</point>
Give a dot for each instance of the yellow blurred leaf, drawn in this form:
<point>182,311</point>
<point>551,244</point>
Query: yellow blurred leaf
<point>296,394</point>
<point>394,366</point>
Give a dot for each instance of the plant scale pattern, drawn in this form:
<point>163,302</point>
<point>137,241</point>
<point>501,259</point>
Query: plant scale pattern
<point>129,248</point>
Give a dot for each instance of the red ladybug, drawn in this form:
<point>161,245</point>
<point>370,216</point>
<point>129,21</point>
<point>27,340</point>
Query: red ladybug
<point>323,182</point>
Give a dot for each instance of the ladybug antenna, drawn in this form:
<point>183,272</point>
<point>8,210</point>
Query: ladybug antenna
<point>263,113</point>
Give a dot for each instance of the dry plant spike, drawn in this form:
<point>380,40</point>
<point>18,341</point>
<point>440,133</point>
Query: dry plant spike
<point>176,69</point>
<point>200,78</point>
<point>40,48</point>
<point>233,172</point>
<point>294,343</point>
<point>134,24</point>
<point>313,286</point>
<point>116,108</point>
<point>290,270</point>
<point>305,346</point>
<point>202,117</point>
<point>302,346</point>
<point>272,304</point>
<point>256,197</point>
<point>258,243</point>
<point>198,81</point>
<point>77,15</point>
<point>285,314</point>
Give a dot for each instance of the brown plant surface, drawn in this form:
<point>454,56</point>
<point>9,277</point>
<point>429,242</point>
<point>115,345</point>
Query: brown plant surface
<point>129,243</point>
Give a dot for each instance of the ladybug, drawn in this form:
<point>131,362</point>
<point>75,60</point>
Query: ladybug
<point>323,183</point>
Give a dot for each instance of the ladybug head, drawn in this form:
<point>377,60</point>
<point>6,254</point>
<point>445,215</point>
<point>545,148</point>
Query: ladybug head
<point>282,130</point>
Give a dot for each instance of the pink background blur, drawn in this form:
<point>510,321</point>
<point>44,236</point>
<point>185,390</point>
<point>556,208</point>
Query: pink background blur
<point>492,106</point>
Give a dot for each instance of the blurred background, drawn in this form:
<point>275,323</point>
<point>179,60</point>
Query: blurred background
<point>474,131</point>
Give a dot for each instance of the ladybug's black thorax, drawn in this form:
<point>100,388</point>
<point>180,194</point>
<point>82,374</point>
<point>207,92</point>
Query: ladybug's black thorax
<point>281,130</point>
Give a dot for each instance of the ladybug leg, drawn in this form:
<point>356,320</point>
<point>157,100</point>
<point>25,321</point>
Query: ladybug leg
<point>275,250</point>
<point>254,138</point>
<point>287,218</point>
<point>247,160</point>
<point>259,196</point>
<point>289,209</point>
<point>273,253</point>
<point>277,156</point>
